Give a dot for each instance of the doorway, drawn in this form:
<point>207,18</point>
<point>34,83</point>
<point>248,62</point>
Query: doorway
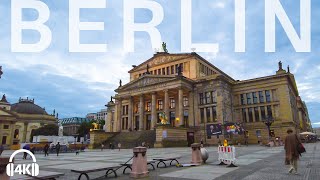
<point>137,123</point>
<point>148,125</point>
<point>190,138</point>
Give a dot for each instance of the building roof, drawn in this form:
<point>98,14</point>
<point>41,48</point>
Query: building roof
<point>73,120</point>
<point>27,106</point>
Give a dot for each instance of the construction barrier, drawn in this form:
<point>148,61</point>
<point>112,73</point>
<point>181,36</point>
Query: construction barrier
<point>227,155</point>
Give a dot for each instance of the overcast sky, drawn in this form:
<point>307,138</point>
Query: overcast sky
<point>78,83</point>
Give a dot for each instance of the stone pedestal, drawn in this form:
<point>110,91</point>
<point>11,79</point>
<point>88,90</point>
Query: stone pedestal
<point>196,153</point>
<point>3,164</point>
<point>139,163</point>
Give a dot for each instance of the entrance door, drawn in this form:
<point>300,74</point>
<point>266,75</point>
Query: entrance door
<point>4,139</point>
<point>190,138</point>
<point>137,123</point>
<point>148,122</point>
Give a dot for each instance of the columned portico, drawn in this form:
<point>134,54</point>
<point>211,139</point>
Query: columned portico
<point>181,112</point>
<point>141,113</point>
<point>130,113</point>
<point>153,110</point>
<point>119,112</point>
<point>166,103</point>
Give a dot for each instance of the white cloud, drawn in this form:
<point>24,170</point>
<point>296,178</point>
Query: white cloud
<point>317,123</point>
<point>220,5</point>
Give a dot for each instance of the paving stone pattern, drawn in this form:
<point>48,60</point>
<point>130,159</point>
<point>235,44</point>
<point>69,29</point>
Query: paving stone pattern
<point>254,163</point>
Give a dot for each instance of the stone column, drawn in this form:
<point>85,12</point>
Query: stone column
<point>13,125</point>
<point>166,103</point>
<point>141,113</point>
<point>191,109</point>
<point>25,129</point>
<point>130,113</point>
<point>153,110</point>
<point>119,116</point>
<point>109,119</point>
<point>180,114</point>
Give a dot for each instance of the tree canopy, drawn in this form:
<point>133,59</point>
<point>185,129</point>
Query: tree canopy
<point>46,130</point>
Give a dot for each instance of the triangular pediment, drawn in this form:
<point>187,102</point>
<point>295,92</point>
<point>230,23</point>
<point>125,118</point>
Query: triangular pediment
<point>146,80</point>
<point>161,58</point>
<point>7,113</point>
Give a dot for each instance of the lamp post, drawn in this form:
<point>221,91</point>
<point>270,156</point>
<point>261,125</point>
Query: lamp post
<point>268,122</point>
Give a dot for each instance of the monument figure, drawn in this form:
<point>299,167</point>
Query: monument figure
<point>164,47</point>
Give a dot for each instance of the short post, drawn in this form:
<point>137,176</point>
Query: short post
<point>139,163</point>
<point>4,161</point>
<point>196,153</point>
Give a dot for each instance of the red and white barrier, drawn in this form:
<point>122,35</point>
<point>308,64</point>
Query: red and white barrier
<point>227,155</point>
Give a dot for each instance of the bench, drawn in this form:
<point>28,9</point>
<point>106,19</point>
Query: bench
<point>163,160</point>
<point>85,171</point>
<point>129,166</point>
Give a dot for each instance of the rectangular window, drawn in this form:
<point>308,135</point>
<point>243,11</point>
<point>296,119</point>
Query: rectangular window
<point>214,113</point>
<point>172,103</point>
<point>185,101</point>
<point>202,115</point>
<point>163,71</point>
<point>160,105</point>
<point>136,108</point>
<point>242,99</point>
<point>151,72</point>
<point>177,65</point>
<point>248,98</point>
<point>168,70</point>
<point>255,98</point>
<point>172,69</point>
<point>269,111</point>
<point>244,115</point>
<point>5,126</point>
<point>213,95</point>
<point>208,114</point>
<point>268,98</point>
<point>263,112</point>
<point>208,97</point>
<point>201,98</point>
<point>181,67</point>
<point>159,71</point>
<point>261,97</point>
<point>256,114</point>
<point>148,108</point>
<point>155,72</point>
<point>250,111</point>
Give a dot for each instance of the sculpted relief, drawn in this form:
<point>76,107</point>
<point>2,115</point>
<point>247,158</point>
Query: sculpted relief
<point>161,60</point>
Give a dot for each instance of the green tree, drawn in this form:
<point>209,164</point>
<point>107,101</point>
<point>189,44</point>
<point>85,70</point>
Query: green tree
<point>47,130</point>
<point>85,128</point>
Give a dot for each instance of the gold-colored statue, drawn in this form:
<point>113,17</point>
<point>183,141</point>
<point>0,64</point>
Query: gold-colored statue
<point>95,126</point>
<point>163,118</point>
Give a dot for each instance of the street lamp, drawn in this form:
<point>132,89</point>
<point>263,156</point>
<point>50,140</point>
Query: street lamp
<point>268,122</point>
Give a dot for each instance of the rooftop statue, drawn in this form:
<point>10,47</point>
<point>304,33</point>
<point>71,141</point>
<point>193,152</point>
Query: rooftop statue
<point>164,47</point>
<point>1,71</point>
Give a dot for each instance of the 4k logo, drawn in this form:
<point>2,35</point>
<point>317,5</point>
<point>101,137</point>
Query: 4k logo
<point>26,169</point>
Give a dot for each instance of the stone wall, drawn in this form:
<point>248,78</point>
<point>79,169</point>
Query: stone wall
<point>97,137</point>
<point>167,136</point>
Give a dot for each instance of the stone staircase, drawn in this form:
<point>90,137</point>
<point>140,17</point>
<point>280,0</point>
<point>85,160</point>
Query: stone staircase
<point>132,139</point>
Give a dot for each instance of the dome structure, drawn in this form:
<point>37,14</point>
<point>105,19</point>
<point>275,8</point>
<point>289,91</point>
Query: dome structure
<point>27,106</point>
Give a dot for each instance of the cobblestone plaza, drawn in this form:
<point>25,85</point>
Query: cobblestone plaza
<point>254,162</point>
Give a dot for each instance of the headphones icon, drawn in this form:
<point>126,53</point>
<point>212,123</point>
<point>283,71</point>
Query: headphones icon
<point>34,165</point>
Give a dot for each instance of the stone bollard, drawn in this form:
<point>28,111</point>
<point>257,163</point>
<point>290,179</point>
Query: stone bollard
<point>3,165</point>
<point>139,163</point>
<point>196,153</point>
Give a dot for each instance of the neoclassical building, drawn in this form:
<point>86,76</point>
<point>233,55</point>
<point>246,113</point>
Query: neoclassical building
<point>19,119</point>
<point>193,93</point>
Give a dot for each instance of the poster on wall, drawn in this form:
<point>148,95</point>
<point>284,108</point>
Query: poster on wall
<point>214,129</point>
<point>234,128</point>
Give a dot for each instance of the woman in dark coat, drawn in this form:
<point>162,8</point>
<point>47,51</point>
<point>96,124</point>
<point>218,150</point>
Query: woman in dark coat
<point>292,154</point>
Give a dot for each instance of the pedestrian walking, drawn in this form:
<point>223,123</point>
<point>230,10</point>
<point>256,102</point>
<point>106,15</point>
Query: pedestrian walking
<point>102,146</point>
<point>292,154</point>
<point>26,147</point>
<point>58,148</point>
<point>46,149</point>
<point>119,146</point>
<point>1,149</point>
